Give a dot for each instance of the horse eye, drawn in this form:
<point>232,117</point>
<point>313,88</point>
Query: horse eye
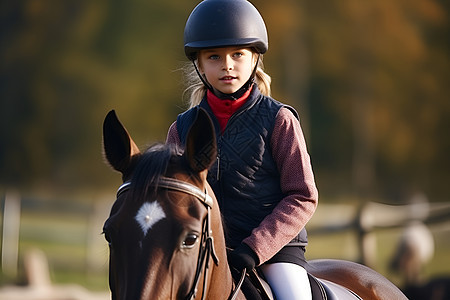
<point>190,241</point>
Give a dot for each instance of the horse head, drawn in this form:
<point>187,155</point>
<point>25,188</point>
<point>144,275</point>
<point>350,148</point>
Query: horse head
<point>157,226</point>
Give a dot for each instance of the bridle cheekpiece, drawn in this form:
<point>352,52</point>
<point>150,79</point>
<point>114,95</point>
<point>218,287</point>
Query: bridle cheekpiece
<point>207,242</point>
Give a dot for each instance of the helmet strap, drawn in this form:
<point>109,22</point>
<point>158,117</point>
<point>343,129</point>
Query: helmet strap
<point>233,96</point>
<point>203,78</point>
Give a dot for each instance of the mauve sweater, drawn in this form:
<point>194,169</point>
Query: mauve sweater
<point>296,177</point>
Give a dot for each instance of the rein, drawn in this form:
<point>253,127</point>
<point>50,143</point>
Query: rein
<point>207,242</point>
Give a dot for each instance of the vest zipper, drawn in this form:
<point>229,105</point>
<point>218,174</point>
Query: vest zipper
<point>219,193</point>
<point>218,162</point>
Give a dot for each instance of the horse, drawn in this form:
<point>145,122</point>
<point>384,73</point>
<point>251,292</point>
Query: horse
<point>165,233</point>
<point>411,256</point>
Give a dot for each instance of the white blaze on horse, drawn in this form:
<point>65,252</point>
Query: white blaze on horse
<point>165,231</point>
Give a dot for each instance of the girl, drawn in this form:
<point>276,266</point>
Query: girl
<point>262,178</point>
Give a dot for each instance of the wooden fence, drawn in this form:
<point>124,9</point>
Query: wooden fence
<point>363,221</point>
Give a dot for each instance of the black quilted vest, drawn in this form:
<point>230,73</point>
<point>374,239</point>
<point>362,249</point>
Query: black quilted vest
<point>244,177</point>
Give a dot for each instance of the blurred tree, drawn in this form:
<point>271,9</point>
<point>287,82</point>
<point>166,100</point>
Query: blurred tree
<point>375,81</point>
<point>368,78</point>
<point>64,65</point>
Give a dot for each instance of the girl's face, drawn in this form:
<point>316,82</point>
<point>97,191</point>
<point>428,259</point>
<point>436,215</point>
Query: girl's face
<point>227,69</point>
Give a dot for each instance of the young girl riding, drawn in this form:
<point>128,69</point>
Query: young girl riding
<point>262,177</point>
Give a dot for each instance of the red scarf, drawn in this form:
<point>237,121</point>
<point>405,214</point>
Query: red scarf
<point>223,109</point>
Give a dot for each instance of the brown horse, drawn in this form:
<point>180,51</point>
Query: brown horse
<point>165,231</point>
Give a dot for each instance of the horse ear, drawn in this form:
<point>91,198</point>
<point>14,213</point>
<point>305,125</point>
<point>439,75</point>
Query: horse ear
<point>201,148</point>
<point>118,146</point>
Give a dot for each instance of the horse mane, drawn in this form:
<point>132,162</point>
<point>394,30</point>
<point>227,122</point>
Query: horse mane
<point>152,164</point>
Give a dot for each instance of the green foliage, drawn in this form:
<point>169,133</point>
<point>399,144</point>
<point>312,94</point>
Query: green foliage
<point>368,78</point>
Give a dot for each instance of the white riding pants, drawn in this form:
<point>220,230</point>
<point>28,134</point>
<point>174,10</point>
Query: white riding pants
<point>288,281</point>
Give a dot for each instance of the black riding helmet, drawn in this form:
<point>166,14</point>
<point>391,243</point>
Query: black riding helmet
<point>222,23</point>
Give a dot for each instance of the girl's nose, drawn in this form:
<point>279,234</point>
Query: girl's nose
<point>228,63</point>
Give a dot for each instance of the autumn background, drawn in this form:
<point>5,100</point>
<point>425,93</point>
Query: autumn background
<point>370,80</point>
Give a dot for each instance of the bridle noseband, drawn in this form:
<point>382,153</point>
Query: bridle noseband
<point>207,242</point>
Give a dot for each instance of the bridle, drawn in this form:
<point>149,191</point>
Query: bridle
<point>207,250</point>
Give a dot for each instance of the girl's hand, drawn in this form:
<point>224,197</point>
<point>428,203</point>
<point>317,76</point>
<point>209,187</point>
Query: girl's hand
<point>243,257</point>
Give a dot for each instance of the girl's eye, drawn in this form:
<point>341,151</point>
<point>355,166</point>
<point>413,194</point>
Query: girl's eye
<point>214,57</point>
<point>237,54</point>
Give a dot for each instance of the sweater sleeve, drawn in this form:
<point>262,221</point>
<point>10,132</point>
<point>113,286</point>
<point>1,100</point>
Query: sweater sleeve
<point>297,184</point>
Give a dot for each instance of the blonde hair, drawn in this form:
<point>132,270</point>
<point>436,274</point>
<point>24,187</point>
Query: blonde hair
<point>195,89</point>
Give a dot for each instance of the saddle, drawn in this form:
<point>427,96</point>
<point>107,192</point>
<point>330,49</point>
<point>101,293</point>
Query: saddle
<point>256,288</point>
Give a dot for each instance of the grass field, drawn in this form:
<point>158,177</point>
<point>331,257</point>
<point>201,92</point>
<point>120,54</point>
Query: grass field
<point>77,253</point>
<point>71,239</point>
<point>344,246</point>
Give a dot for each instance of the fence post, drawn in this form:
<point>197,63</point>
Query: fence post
<point>366,237</point>
<point>11,229</point>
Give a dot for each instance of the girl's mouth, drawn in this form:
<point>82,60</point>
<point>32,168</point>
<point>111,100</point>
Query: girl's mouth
<point>227,78</point>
